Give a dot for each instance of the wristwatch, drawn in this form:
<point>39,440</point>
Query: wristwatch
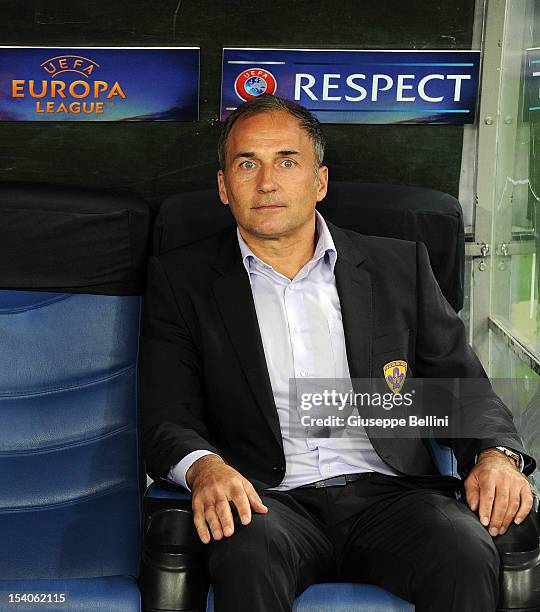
<point>517,457</point>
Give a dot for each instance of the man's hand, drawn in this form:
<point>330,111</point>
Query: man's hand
<point>214,484</point>
<point>499,492</point>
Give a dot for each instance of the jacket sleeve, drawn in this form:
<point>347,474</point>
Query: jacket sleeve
<point>173,408</point>
<point>442,351</point>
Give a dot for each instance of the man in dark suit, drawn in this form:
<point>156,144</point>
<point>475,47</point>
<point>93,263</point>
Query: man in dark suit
<point>234,320</point>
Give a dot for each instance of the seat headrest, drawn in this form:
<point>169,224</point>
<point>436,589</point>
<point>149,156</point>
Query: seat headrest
<point>70,239</point>
<point>396,211</point>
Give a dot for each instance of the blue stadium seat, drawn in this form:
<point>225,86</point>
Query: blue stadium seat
<point>343,597</point>
<point>70,474</point>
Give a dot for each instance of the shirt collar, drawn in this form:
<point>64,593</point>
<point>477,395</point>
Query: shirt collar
<point>325,247</point>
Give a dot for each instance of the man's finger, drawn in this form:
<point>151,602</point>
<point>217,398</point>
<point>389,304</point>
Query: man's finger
<point>526,503</point>
<point>255,501</point>
<point>200,525</point>
<point>213,522</point>
<point>241,501</point>
<point>487,495</point>
<point>223,509</point>
<point>472,494</point>
<point>513,506</point>
<point>500,506</point>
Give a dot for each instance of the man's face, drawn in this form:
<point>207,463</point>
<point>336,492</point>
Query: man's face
<point>271,182</point>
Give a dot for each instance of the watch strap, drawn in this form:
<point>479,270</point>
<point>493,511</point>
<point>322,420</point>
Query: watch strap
<point>517,457</point>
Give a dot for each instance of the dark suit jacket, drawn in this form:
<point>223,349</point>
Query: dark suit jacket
<point>204,380</point>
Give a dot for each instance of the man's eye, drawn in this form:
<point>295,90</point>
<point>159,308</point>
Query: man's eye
<point>248,165</point>
<point>288,163</point>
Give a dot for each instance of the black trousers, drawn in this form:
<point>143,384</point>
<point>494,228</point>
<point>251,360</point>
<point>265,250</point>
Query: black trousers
<point>411,537</point>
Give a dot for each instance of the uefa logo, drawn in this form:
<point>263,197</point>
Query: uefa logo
<point>67,96</point>
<point>253,83</point>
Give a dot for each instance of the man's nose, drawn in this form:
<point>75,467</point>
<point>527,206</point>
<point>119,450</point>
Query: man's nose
<point>267,179</point>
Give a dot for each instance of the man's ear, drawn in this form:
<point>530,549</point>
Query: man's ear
<point>222,188</point>
<point>322,187</point>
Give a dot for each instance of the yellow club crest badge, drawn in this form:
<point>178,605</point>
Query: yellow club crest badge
<point>394,374</point>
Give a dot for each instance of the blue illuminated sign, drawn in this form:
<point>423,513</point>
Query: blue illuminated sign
<point>358,86</point>
<point>99,84</point>
<point>532,81</point>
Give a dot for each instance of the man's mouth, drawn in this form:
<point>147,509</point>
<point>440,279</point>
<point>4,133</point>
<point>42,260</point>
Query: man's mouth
<point>268,206</point>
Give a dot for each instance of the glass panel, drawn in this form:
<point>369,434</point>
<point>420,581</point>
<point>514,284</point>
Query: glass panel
<point>514,282</point>
<point>519,388</point>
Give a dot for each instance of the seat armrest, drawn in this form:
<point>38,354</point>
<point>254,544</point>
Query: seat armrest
<point>160,496</point>
<point>165,490</point>
<point>444,458</point>
<point>174,575</point>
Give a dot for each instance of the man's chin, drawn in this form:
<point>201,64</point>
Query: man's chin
<point>269,231</point>
<point>272,227</point>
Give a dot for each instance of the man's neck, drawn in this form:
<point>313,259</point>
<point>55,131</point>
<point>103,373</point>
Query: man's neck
<point>286,254</point>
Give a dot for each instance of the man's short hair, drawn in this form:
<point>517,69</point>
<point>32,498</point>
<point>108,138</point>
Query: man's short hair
<point>268,103</point>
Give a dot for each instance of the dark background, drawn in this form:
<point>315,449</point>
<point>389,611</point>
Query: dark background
<point>154,160</point>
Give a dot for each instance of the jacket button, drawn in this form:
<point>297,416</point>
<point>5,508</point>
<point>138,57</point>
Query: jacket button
<point>279,468</point>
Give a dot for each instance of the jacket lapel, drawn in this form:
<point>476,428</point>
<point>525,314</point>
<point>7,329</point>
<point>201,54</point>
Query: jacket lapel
<point>354,289</point>
<point>235,302</point>
<point>355,294</point>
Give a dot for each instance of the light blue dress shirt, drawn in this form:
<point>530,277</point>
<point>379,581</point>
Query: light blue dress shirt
<point>303,339</point>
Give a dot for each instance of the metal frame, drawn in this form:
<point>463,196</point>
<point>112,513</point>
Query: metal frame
<point>492,246</point>
<point>469,149</point>
<point>485,185</point>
